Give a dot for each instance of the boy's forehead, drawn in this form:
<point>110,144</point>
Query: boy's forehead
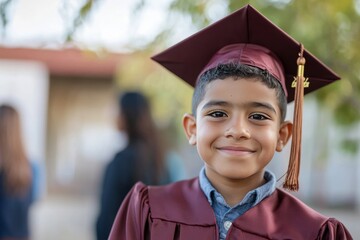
<point>233,91</point>
<point>246,26</point>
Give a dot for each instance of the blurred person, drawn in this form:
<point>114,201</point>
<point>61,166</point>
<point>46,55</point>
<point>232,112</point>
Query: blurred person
<point>143,159</point>
<point>16,177</point>
<point>175,164</point>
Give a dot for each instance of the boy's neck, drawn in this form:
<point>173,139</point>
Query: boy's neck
<point>234,190</point>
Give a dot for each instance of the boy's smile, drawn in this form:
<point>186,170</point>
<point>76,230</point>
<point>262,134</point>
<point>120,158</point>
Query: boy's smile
<point>235,150</point>
<point>237,130</point>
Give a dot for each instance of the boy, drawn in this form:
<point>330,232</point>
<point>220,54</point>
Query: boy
<point>242,76</point>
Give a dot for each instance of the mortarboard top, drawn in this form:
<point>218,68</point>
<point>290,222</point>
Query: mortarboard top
<point>188,58</point>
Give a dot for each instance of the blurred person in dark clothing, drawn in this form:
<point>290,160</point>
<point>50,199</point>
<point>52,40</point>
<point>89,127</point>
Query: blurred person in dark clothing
<point>15,178</point>
<point>141,160</point>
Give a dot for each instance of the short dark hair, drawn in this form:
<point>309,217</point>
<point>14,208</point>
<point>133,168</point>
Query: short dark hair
<point>238,71</point>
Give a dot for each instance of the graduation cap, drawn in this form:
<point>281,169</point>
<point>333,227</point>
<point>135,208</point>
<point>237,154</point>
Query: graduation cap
<point>247,37</point>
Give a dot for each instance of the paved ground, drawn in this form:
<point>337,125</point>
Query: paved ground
<point>65,218</point>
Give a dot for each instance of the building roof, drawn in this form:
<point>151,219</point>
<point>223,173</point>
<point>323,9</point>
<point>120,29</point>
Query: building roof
<point>68,62</point>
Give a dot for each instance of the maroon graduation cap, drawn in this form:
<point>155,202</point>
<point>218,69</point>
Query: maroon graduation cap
<point>188,58</point>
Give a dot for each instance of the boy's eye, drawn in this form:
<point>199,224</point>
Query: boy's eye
<point>217,114</point>
<point>258,116</point>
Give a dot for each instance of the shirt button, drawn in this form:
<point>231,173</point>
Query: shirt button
<point>227,225</point>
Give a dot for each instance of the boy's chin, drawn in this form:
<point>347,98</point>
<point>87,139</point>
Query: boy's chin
<point>233,174</point>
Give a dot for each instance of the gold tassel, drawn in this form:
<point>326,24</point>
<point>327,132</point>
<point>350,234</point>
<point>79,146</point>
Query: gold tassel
<point>292,177</point>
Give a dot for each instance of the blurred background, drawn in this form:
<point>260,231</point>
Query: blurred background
<point>62,63</point>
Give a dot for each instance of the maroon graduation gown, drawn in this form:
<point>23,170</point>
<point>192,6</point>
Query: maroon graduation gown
<point>180,211</point>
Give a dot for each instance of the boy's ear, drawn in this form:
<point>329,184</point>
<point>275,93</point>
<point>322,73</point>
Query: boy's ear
<point>189,124</point>
<point>285,133</point>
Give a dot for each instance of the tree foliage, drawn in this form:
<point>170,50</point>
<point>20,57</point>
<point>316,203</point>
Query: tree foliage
<point>4,16</point>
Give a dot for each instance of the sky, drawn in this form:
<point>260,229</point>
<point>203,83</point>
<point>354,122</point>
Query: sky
<point>43,23</point>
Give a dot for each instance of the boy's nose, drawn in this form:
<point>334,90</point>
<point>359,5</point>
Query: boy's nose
<point>237,130</point>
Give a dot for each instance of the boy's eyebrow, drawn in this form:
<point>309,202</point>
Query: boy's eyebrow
<point>262,105</point>
<point>215,103</point>
<point>249,104</point>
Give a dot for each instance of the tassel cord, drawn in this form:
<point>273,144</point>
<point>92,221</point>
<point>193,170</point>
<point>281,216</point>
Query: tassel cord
<point>292,177</point>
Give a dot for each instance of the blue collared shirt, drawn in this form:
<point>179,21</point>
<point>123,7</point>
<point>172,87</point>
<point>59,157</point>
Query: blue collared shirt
<point>225,214</point>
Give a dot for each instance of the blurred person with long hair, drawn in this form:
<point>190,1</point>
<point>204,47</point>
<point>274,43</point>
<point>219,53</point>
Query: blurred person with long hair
<point>15,177</point>
<point>141,160</point>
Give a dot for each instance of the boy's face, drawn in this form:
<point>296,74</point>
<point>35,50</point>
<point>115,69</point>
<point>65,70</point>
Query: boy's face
<point>237,129</point>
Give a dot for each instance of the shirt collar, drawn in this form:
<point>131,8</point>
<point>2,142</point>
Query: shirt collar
<point>257,194</point>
